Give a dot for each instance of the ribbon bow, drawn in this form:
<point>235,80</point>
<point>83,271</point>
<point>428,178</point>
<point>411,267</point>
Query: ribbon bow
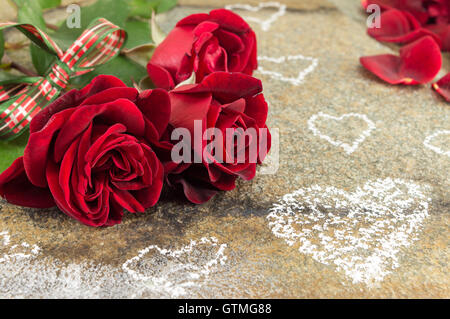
<point>98,44</point>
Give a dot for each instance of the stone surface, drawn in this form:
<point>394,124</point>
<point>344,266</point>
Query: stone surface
<point>383,208</point>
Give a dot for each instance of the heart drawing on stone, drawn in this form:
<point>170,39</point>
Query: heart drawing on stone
<point>361,233</point>
<point>349,147</point>
<point>10,252</point>
<point>429,142</point>
<point>295,80</point>
<point>264,23</point>
<point>174,271</point>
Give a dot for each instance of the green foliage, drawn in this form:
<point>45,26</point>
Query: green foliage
<point>10,150</point>
<point>48,4</point>
<point>42,60</point>
<point>2,45</point>
<point>144,8</point>
<point>30,11</point>
<point>121,67</point>
<point>116,11</point>
<point>138,33</point>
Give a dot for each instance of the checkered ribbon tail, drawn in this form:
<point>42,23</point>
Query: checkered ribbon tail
<point>20,102</point>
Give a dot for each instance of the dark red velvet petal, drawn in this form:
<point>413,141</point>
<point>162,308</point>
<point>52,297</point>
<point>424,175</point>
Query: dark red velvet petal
<point>257,109</point>
<point>419,62</point>
<point>149,197</point>
<point>120,111</point>
<point>400,27</point>
<point>193,19</point>
<point>443,87</point>
<point>186,108</point>
<point>156,107</point>
<point>110,95</point>
<point>18,190</point>
<point>160,77</point>
<point>170,54</point>
<point>226,87</point>
<point>229,20</point>
<point>37,150</point>
<point>196,194</point>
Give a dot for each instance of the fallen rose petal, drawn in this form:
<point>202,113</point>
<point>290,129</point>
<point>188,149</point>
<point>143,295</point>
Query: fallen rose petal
<point>443,87</point>
<point>418,63</point>
<point>400,27</point>
<point>415,7</point>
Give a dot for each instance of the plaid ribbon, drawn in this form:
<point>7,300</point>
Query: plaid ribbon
<point>22,99</point>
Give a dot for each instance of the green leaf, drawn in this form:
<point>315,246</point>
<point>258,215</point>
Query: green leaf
<point>138,33</point>
<point>144,8</point>
<point>116,11</point>
<point>42,60</point>
<point>165,5</point>
<point>30,11</point>
<point>2,45</point>
<point>121,67</point>
<point>48,4</point>
<point>10,150</point>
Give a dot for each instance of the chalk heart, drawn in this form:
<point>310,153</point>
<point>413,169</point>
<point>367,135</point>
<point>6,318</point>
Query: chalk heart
<point>348,147</point>
<point>361,233</point>
<point>429,142</point>
<point>264,22</point>
<point>174,270</point>
<point>288,61</point>
<point>10,252</point>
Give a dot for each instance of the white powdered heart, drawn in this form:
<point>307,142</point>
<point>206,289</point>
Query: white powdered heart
<point>175,270</point>
<point>279,76</point>
<point>361,233</point>
<point>265,24</point>
<point>347,147</point>
<point>16,251</point>
<point>428,143</point>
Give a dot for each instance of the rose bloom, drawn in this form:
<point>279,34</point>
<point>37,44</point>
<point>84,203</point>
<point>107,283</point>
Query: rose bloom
<point>90,154</point>
<point>223,101</point>
<point>204,43</point>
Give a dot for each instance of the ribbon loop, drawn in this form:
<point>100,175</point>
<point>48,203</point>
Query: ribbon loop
<point>98,44</point>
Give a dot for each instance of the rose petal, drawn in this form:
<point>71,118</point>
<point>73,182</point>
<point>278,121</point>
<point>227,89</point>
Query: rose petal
<point>226,87</point>
<point>156,107</point>
<point>37,150</point>
<point>18,190</point>
<point>419,62</point>
<point>120,111</point>
<point>400,27</point>
<point>443,87</point>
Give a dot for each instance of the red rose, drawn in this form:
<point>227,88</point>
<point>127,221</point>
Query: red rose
<point>204,43</point>
<point>221,101</point>
<point>89,153</point>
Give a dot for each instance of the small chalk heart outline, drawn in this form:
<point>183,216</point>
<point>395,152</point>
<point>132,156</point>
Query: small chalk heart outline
<point>193,272</point>
<point>347,147</point>
<point>428,144</point>
<point>278,76</point>
<point>265,24</point>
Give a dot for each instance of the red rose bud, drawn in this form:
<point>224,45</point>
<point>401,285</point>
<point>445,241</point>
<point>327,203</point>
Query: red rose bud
<point>90,154</point>
<point>227,104</point>
<point>419,62</point>
<point>204,43</point>
<point>400,27</point>
<point>443,87</point>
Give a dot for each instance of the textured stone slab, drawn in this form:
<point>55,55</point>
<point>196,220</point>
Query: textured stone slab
<point>358,208</point>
